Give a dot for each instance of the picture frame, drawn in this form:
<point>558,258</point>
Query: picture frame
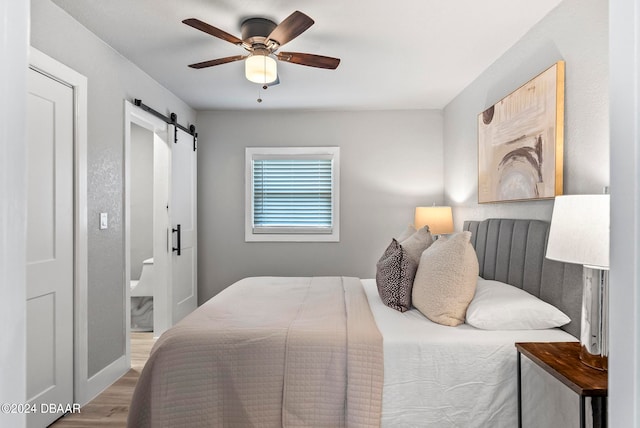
<point>521,141</point>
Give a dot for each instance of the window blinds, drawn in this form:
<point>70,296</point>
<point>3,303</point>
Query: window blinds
<point>292,195</point>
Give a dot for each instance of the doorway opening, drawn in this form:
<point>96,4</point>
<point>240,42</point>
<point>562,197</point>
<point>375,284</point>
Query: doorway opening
<point>168,201</point>
<point>142,269</point>
<point>147,261</point>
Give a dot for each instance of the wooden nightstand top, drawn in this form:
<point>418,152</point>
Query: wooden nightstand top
<point>562,361</point>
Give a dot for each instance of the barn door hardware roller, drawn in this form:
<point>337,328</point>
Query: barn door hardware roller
<point>171,120</point>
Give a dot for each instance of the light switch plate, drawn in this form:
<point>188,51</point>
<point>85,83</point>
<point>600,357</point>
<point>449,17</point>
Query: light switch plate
<point>104,221</point>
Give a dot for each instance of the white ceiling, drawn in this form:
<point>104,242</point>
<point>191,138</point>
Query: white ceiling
<point>399,54</point>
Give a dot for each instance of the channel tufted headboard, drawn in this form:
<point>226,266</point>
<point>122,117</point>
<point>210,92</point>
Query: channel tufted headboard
<point>513,251</point>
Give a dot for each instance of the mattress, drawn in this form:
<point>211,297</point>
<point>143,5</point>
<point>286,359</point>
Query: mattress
<point>433,375</point>
<point>439,376</point>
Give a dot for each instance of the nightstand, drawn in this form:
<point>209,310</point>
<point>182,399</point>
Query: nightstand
<point>562,361</point>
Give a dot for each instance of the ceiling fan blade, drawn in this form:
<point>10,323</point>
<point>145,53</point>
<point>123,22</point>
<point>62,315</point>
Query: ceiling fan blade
<point>310,60</point>
<point>218,61</point>
<point>210,29</point>
<point>293,25</point>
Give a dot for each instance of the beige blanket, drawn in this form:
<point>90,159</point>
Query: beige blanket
<point>267,352</point>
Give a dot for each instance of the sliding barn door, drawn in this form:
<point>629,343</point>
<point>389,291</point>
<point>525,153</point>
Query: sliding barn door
<point>184,226</point>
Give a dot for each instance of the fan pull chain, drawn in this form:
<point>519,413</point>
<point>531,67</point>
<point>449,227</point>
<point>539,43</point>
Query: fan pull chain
<point>265,87</point>
<point>264,70</point>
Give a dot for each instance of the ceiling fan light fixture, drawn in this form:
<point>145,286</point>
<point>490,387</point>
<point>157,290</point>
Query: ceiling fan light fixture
<point>260,68</point>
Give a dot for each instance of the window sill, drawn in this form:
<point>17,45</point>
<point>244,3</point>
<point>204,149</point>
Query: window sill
<point>290,237</point>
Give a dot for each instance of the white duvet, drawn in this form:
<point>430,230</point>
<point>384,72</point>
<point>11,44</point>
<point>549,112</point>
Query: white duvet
<point>439,376</point>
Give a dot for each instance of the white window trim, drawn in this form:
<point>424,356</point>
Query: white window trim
<point>250,154</point>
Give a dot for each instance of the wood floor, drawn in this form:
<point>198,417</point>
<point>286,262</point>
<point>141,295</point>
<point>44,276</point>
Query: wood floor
<point>110,408</point>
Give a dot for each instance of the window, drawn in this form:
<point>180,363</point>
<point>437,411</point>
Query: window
<point>292,193</point>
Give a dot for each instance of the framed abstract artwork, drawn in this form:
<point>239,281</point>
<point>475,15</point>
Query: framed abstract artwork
<point>520,141</point>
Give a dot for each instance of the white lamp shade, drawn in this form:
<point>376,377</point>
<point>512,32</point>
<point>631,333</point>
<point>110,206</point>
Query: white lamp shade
<point>261,69</point>
<point>439,219</point>
<point>579,231</point>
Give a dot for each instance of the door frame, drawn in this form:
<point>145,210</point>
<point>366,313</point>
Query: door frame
<point>48,66</point>
<point>162,262</point>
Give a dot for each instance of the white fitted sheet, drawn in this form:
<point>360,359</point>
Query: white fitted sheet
<point>439,376</point>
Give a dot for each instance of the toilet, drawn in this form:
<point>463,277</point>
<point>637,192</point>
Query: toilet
<point>142,298</point>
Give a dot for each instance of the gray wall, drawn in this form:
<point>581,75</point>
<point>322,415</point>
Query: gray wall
<point>141,198</point>
<point>391,161</point>
<point>111,80</point>
<point>576,32</point>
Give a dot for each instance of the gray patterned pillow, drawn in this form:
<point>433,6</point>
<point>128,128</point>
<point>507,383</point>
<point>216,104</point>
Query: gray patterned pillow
<point>394,276</point>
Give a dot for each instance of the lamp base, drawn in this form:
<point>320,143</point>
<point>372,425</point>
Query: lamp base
<point>594,337</point>
<point>598,362</point>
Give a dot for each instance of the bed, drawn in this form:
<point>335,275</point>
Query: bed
<point>264,353</point>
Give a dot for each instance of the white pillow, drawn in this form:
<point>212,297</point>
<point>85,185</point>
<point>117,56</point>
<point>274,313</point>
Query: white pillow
<point>500,306</point>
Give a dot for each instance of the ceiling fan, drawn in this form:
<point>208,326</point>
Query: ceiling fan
<point>261,37</point>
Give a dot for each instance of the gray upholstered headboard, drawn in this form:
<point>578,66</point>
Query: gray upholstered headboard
<point>512,251</point>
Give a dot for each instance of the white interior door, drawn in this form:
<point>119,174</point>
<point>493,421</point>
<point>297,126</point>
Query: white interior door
<point>49,245</point>
<point>183,217</point>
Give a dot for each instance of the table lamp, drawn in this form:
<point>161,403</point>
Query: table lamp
<point>439,219</point>
<point>579,234</point>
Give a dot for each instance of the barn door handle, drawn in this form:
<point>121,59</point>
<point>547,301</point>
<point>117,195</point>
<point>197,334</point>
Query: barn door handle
<point>177,230</point>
